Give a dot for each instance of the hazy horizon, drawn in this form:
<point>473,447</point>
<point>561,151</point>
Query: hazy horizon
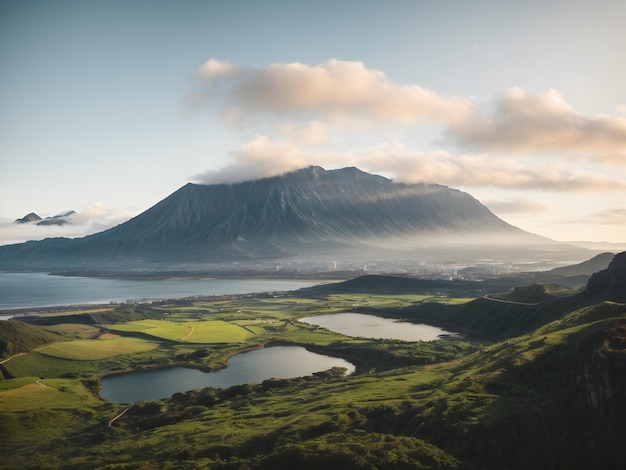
<point>109,107</point>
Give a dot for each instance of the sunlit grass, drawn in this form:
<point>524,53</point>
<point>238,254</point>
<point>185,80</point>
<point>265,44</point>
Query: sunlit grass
<point>74,330</point>
<point>395,300</point>
<point>204,331</point>
<point>87,310</point>
<point>45,394</point>
<point>96,349</point>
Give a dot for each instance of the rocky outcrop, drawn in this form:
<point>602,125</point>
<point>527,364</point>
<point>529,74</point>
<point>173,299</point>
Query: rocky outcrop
<point>612,280</point>
<point>601,384</point>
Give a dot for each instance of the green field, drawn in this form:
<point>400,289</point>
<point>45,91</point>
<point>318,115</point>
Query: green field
<point>74,330</point>
<point>47,394</point>
<point>88,350</point>
<point>207,331</point>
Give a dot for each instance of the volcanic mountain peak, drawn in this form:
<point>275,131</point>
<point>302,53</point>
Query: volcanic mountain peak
<point>31,217</point>
<point>310,212</point>
<point>58,219</point>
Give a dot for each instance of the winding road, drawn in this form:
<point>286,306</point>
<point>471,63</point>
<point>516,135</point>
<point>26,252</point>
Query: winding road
<point>187,335</point>
<point>115,418</point>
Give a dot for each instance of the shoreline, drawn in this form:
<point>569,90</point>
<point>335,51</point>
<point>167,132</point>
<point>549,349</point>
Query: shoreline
<point>53,308</point>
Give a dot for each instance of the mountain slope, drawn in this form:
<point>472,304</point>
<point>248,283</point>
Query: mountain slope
<point>17,337</point>
<point>310,211</point>
<point>586,268</point>
<point>31,217</point>
<point>497,319</point>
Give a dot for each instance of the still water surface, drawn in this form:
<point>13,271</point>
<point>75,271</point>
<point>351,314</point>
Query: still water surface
<point>282,362</point>
<point>371,326</point>
<point>25,290</point>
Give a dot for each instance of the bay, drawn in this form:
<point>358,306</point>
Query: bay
<point>31,290</point>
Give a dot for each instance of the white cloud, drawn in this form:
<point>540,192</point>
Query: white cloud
<point>215,68</point>
<point>516,206</point>
<point>615,216</point>
<point>313,133</point>
<point>480,171</point>
<point>262,157</point>
<point>524,123</point>
<point>295,115</point>
<point>333,88</point>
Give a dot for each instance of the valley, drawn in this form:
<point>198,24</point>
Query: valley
<point>533,381</point>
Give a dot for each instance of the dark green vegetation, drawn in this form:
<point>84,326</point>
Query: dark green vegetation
<point>542,385</point>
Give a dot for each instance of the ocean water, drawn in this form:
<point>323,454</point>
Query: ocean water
<point>28,290</point>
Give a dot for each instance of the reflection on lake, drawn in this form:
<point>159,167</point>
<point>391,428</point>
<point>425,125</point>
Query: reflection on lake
<point>281,362</point>
<point>371,326</point>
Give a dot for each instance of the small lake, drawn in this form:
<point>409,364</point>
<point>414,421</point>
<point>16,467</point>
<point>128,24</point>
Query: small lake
<point>27,290</point>
<point>371,326</point>
<point>279,362</point>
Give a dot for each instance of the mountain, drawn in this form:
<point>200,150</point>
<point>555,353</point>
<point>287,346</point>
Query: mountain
<point>574,276</point>
<point>611,282</point>
<point>32,217</point>
<point>306,213</point>
<point>59,219</point>
<point>586,268</point>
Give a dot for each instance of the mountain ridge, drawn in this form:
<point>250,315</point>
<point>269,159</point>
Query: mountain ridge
<point>32,217</point>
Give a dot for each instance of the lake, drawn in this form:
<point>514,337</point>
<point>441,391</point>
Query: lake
<point>27,290</point>
<point>280,362</point>
<point>371,326</point>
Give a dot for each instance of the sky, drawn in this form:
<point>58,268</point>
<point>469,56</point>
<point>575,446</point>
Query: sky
<point>107,107</point>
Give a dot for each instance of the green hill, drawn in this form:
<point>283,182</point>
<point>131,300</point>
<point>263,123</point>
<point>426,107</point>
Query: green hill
<point>586,268</point>
<point>389,284</point>
<point>17,337</point>
<point>497,319</point>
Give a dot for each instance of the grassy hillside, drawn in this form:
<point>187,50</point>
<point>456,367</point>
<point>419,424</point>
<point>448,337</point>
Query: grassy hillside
<point>493,318</point>
<point>586,268</point>
<point>98,316</point>
<point>17,337</point>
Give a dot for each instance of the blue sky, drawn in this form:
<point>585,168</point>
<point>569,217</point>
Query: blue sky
<point>107,107</point>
